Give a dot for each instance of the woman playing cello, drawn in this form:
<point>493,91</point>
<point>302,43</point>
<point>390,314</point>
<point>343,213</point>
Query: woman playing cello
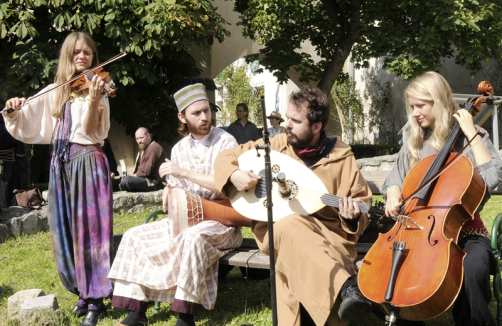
<point>80,193</point>
<point>432,113</point>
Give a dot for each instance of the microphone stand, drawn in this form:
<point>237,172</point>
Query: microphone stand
<point>268,185</point>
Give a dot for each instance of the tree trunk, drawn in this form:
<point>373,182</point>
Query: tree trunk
<point>335,66</point>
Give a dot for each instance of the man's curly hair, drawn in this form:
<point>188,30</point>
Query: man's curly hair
<point>316,102</point>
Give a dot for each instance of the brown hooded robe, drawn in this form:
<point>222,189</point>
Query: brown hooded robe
<point>314,254</point>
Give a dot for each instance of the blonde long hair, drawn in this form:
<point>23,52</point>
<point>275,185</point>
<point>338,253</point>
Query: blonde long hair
<point>430,86</point>
<point>66,69</point>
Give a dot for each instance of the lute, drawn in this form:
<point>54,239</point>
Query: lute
<point>308,194</point>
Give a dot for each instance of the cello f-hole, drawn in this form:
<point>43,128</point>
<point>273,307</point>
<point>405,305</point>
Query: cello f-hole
<point>432,228</point>
<point>391,237</point>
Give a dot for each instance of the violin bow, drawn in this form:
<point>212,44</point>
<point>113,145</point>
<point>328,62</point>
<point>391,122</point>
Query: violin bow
<point>118,56</point>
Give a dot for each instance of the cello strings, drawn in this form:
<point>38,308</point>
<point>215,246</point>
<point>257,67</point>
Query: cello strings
<point>448,165</point>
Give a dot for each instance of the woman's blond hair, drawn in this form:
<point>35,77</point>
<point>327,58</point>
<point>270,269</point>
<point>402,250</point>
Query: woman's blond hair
<point>66,69</point>
<point>430,86</point>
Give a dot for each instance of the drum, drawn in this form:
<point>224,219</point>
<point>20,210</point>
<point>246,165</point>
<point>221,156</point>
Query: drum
<point>187,209</point>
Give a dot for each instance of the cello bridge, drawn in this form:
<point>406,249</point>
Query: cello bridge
<point>406,219</point>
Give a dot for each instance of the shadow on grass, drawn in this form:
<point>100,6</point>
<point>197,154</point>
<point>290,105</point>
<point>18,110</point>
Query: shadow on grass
<point>5,292</point>
<point>229,308</point>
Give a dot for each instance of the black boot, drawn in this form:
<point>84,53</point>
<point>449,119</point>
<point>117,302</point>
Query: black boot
<point>79,311</point>
<point>185,320</point>
<point>134,318</point>
<point>91,317</point>
<point>80,308</point>
<point>354,305</point>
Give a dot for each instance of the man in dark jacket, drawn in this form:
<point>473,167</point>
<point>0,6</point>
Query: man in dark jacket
<point>242,129</point>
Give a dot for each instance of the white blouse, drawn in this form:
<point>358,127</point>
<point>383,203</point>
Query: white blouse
<point>34,124</point>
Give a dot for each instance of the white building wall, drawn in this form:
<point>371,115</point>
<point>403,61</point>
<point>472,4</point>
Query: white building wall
<point>459,79</point>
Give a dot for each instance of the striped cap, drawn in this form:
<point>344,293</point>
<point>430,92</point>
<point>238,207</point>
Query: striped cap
<point>190,94</point>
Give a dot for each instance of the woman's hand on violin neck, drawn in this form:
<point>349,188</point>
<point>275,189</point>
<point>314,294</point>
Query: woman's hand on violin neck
<point>464,119</point>
<point>96,87</point>
<point>348,208</point>
<point>394,202</point>
<point>91,120</point>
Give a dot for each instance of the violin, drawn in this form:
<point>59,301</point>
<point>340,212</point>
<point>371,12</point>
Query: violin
<point>415,270</point>
<point>80,82</point>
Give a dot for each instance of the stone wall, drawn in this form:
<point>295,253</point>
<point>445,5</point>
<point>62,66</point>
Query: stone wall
<point>382,163</point>
<point>16,220</point>
<point>378,163</point>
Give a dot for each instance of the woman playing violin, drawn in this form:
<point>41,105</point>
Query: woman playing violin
<point>432,113</point>
<point>80,193</point>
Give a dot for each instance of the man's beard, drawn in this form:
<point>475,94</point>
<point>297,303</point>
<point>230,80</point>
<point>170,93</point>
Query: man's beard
<point>199,131</point>
<point>300,142</point>
<point>142,146</point>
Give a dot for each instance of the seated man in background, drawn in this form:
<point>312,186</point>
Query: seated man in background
<point>151,265</point>
<point>315,272</point>
<point>146,174</point>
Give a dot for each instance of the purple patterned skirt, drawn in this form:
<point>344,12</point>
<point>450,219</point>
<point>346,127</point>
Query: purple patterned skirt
<point>80,216</point>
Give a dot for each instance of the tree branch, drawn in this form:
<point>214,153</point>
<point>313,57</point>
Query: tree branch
<point>332,10</point>
<point>342,49</point>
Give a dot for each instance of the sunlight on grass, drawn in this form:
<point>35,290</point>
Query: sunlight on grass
<point>27,262</point>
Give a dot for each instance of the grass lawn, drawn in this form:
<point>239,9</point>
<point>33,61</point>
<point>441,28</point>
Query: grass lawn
<point>27,263</point>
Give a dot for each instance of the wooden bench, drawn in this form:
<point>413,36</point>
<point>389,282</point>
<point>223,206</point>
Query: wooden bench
<point>248,253</point>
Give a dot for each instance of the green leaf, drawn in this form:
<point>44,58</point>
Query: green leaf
<point>22,32</point>
<point>138,51</point>
<point>110,17</point>
<point>77,21</point>
<point>151,78</point>
<point>59,21</point>
<point>3,31</point>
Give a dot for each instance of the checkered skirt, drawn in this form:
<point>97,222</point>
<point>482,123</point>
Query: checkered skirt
<point>147,255</point>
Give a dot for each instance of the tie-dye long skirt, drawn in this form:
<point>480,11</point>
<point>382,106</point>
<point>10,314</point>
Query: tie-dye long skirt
<point>80,219</point>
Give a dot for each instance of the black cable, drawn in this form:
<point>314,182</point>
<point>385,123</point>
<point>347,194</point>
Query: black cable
<point>246,289</point>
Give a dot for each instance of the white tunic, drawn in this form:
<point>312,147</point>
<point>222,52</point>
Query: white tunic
<point>149,256</point>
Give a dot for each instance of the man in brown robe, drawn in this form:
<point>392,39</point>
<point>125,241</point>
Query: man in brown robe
<point>314,254</point>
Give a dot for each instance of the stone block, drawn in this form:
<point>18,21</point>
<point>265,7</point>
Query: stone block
<point>15,226</point>
<point>4,232</point>
<point>121,202</point>
<point>137,209</point>
<point>387,166</point>
<point>30,306</point>
<point>133,202</point>
<point>31,223</point>
<point>44,222</point>
<point>13,212</point>
<point>15,301</point>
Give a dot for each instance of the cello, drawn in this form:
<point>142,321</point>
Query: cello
<point>415,271</point>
